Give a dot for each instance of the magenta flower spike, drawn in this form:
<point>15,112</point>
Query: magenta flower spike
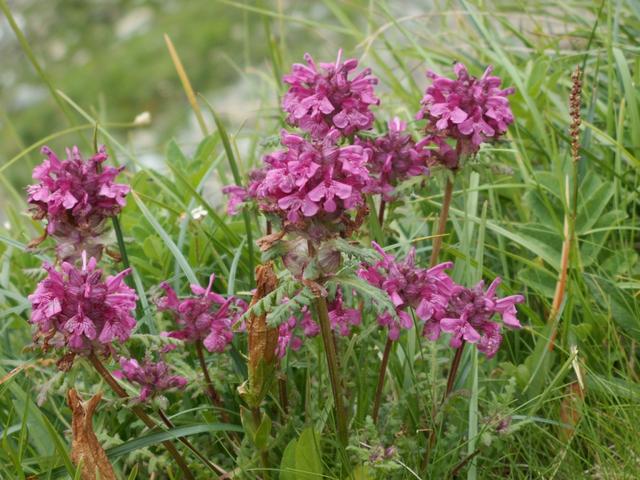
<point>323,97</point>
<point>152,377</point>
<point>427,291</point>
<point>468,110</point>
<point>309,181</point>
<point>78,310</point>
<point>207,316</point>
<point>469,316</point>
<point>75,196</point>
<point>394,158</point>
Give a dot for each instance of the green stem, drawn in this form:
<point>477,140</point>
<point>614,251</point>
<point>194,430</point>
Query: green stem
<point>332,363</point>
<point>264,457</point>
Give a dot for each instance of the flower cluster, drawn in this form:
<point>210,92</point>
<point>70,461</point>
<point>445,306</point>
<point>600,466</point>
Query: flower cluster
<point>207,316</point>
<point>408,286</point>
<point>469,313</point>
<point>153,377</point>
<point>320,99</point>
<point>468,110</point>
<point>440,303</point>
<point>75,196</point>
<point>288,332</point>
<point>342,318</point>
<point>79,310</point>
<point>292,331</point>
<point>307,180</point>
<point>395,157</point>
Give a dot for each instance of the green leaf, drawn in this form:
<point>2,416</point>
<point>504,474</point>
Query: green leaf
<point>184,265</point>
<point>308,457</point>
<point>159,437</point>
<point>261,437</point>
<point>288,462</point>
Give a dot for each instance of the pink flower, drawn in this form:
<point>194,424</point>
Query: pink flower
<point>153,377</point>
<point>426,291</point>
<point>395,157</point>
<point>289,332</point>
<point>469,313</point>
<point>75,197</point>
<point>78,310</point>
<point>343,319</point>
<point>207,316</point>
<point>310,181</point>
<point>468,110</point>
<point>237,196</point>
<point>320,99</point>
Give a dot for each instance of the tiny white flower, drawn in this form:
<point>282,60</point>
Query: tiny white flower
<point>198,212</point>
<point>141,119</point>
<point>7,225</point>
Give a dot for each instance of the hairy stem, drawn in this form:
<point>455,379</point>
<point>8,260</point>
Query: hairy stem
<point>211,391</point>
<point>264,458</point>
<point>381,378</point>
<point>332,363</point>
<point>140,413</point>
<point>442,222</point>
<point>451,380</point>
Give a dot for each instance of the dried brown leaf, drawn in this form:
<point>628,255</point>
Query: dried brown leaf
<point>262,340</point>
<point>84,446</point>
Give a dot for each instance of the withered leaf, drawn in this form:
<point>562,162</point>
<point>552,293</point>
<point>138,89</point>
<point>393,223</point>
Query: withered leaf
<point>84,446</point>
<point>262,340</point>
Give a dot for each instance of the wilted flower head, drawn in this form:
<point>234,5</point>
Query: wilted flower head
<point>79,310</point>
<point>314,182</point>
<point>323,98</point>
<point>75,196</point>
<point>427,291</point>
<point>469,314</point>
<point>206,317</point>
<point>468,110</point>
<point>153,377</point>
<point>395,157</point>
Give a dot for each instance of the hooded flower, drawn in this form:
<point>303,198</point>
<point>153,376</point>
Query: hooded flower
<point>469,314</point>
<point>152,377</point>
<point>395,157</point>
<point>207,316</point>
<point>75,196</point>
<point>427,291</point>
<point>324,97</point>
<point>343,318</point>
<point>79,310</point>
<point>309,181</point>
<point>468,110</point>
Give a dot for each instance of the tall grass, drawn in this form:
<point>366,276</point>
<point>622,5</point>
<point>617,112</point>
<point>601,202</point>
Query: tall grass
<point>509,416</point>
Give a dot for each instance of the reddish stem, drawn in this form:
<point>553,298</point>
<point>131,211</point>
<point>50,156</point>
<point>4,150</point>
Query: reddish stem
<point>381,378</point>
<point>442,222</point>
<point>140,413</point>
